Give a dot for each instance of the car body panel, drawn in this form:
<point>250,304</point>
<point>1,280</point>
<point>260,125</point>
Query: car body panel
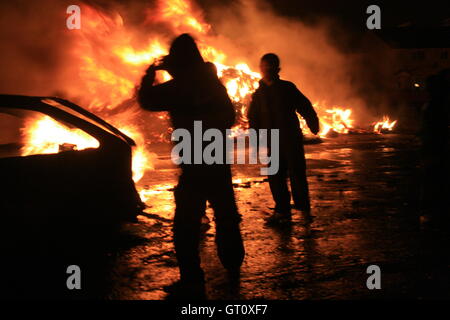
<point>70,193</point>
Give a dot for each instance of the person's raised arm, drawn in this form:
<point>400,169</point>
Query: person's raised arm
<point>160,97</point>
<point>306,110</point>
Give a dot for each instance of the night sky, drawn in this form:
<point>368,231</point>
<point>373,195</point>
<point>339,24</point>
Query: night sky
<point>351,13</point>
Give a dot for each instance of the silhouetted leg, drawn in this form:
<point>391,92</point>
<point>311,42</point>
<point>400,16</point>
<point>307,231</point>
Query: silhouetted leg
<point>190,205</point>
<point>279,188</point>
<point>299,182</point>
<point>230,247</point>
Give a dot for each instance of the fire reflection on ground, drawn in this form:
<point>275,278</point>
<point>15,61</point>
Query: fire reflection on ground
<point>365,213</point>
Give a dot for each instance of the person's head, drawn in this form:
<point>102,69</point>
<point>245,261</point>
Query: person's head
<point>269,65</point>
<point>211,67</point>
<point>183,55</point>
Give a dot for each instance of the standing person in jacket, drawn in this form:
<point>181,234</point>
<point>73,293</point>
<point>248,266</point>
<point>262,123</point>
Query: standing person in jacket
<point>196,94</point>
<point>274,106</point>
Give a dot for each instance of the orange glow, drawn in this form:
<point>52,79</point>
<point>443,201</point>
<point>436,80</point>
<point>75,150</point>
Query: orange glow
<point>141,158</point>
<point>111,65</point>
<point>182,17</point>
<point>44,135</point>
<point>145,193</point>
<point>112,60</point>
<point>128,55</point>
<point>384,125</point>
<point>336,119</point>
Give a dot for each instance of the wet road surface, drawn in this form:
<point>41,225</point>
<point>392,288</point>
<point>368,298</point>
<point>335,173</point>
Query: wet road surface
<point>364,195</point>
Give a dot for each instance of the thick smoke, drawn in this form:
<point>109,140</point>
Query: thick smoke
<point>38,56</point>
<point>311,57</point>
<point>35,55</point>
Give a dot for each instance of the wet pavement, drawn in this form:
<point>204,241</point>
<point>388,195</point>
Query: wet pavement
<point>364,194</point>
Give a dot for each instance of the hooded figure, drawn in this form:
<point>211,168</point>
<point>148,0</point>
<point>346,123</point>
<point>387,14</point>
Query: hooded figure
<point>196,94</point>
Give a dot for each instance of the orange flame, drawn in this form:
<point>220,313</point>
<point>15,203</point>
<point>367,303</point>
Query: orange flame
<point>112,61</point>
<point>384,125</point>
<point>111,66</point>
<point>336,119</point>
<point>181,15</point>
<point>45,135</point>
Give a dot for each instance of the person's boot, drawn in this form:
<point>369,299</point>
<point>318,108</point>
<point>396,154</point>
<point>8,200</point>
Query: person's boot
<point>279,217</point>
<point>183,290</point>
<point>304,206</point>
<point>230,247</point>
<point>190,287</point>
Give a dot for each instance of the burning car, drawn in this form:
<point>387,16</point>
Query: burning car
<point>69,194</point>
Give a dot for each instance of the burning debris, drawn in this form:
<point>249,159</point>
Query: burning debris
<point>384,126</point>
<point>45,135</point>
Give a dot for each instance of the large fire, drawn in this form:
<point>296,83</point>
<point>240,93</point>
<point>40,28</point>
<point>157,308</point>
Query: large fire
<point>45,135</point>
<point>112,64</point>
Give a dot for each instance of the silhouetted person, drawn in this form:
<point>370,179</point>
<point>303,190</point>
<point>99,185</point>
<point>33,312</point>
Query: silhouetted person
<point>435,147</point>
<point>212,68</point>
<point>196,93</point>
<point>274,105</point>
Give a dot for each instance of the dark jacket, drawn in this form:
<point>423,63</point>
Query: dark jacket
<point>198,95</point>
<point>275,106</point>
